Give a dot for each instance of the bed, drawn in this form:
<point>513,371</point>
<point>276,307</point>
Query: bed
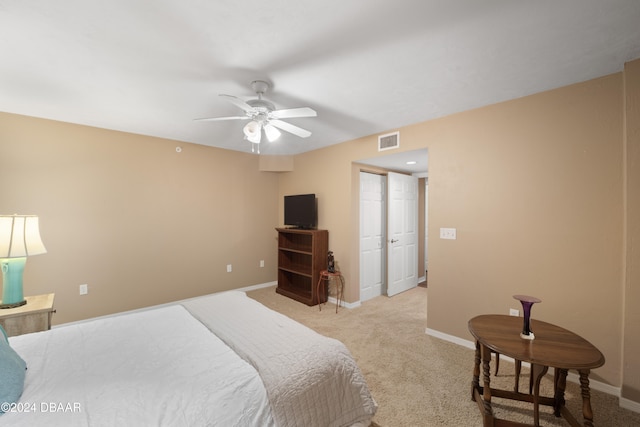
<point>218,360</point>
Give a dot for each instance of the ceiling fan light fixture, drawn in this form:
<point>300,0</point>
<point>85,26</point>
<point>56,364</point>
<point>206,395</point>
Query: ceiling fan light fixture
<point>252,131</point>
<point>263,115</point>
<point>254,138</point>
<point>271,132</point>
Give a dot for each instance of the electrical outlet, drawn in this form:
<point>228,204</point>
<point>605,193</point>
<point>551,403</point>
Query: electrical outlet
<point>514,312</point>
<point>261,263</point>
<point>448,233</point>
<point>84,289</point>
<point>229,268</point>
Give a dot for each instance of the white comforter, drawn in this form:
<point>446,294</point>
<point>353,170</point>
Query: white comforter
<point>311,380</point>
<point>155,368</point>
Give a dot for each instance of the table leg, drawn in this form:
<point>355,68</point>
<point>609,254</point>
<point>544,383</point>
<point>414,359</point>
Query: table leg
<point>517,383</point>
<point>559,385</point>
<point>486,391</point>
<point>586,398</point>
<point>318,292</point>
<point>475,383</point>
<point>538,371</point>
<point>340,291</point>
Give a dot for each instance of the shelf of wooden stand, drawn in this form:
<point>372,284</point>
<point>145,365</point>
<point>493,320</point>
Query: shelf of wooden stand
<point>302,254</point>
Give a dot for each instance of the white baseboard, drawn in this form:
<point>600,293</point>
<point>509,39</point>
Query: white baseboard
<point>451,338</point>
<point>356,304</point>
<point>596,385</point>
<point>630,405</point>
<point>254,287</point>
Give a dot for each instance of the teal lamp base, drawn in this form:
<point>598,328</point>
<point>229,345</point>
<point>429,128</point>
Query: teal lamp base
<point>12,269</point>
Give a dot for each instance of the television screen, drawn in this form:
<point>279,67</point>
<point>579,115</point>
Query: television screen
<point>300,211</point>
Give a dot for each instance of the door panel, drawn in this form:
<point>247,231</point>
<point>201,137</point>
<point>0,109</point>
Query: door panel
<point>372,201</point>
<point>402,232</point>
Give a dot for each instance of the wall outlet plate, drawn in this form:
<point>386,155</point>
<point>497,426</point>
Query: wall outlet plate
<point>448,233</point>
<point>514,312</point>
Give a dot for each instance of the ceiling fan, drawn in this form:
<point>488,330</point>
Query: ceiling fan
<point>264,117</point>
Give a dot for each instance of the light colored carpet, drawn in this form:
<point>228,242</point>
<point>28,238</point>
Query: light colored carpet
<point>419,380</point>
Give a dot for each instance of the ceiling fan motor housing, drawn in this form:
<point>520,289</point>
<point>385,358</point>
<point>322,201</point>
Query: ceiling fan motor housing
<point>260,87</point>
<point>262,105</point>
<point>261,111</point>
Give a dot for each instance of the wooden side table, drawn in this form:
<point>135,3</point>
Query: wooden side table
<point>325,277</point>
<point>553,347</point>
<point>34,316</point>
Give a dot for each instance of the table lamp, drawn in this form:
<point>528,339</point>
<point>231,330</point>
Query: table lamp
<point>19,238</point>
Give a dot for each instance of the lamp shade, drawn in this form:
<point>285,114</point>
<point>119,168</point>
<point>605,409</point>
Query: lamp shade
<point>20,236</point>
<point>252,131</point>
<point>271,132</point>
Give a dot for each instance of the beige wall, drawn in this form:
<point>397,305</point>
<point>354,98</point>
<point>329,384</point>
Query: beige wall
<point>138,222</point>
<point>534,187</point>
<point>543,190</point>
<point>328,174</point>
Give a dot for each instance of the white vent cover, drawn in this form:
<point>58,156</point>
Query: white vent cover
<point>389,141</point>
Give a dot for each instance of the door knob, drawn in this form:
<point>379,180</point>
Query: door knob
<point>394,240</point>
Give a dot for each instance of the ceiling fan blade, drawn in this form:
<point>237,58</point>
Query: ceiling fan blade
<point>213,119</point>
<point>271,132</point>
<point>238,103</point>
<point>288,127</point>
<point>293,112</point>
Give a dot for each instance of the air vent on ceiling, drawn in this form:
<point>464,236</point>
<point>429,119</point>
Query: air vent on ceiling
<point>389,141</point>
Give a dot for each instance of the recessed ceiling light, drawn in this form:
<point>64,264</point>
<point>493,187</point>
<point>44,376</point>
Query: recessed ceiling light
<point>411,162</point>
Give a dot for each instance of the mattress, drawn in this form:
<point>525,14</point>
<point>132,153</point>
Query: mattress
<point>160,367</point>
<point>219,360</point>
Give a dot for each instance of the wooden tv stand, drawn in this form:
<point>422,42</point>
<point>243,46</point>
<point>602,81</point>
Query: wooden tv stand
<point>302,255</point>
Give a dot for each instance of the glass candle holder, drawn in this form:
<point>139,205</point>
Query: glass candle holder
<point>527,302</point>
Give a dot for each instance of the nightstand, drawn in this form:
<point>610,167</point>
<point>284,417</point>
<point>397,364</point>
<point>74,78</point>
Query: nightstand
<point>35,316</point>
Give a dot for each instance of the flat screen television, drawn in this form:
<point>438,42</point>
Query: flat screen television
<point>300,211</point>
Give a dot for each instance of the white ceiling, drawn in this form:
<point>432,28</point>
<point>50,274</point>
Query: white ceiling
<point>366,66</point>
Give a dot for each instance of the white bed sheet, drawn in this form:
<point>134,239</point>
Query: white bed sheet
<point>160,367</point>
